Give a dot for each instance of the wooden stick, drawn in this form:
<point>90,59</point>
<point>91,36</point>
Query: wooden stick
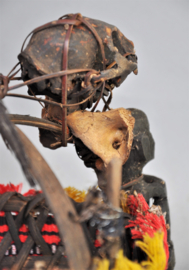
<point>35,122</point>
<point>72,235</point>
<point>114,179</point>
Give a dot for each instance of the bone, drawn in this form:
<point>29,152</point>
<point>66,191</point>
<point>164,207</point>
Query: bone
<point>109,136</point>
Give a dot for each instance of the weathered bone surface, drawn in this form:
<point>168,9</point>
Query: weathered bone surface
<point>109,137</point>
<point>108,134</point>
<point>43,55</point>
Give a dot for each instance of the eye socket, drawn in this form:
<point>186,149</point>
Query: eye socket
<point>116,145</point>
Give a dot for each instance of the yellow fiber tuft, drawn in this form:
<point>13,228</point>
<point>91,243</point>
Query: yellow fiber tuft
<point>153,247</point>
<point>75,194</point>
<point>99,264</point>
<point>123,263</point>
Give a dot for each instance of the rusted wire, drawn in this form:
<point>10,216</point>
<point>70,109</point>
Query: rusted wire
<point>107,103</point>
<point>12,76</point>
<point>64,80</point>
<point>70,19</point>
<point>49,76</point>
<point>35,99</point>
<point>101,94</point>
<point>92,29</point>
<point>13,69</point>
<point>54,75</point>
<point>15,79</point>
<point>51,24</point>
<point>53,102</point>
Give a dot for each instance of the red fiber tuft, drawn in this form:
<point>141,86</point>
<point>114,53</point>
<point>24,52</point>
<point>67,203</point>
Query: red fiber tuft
<point>145,221</point>
<point>10,188</point>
